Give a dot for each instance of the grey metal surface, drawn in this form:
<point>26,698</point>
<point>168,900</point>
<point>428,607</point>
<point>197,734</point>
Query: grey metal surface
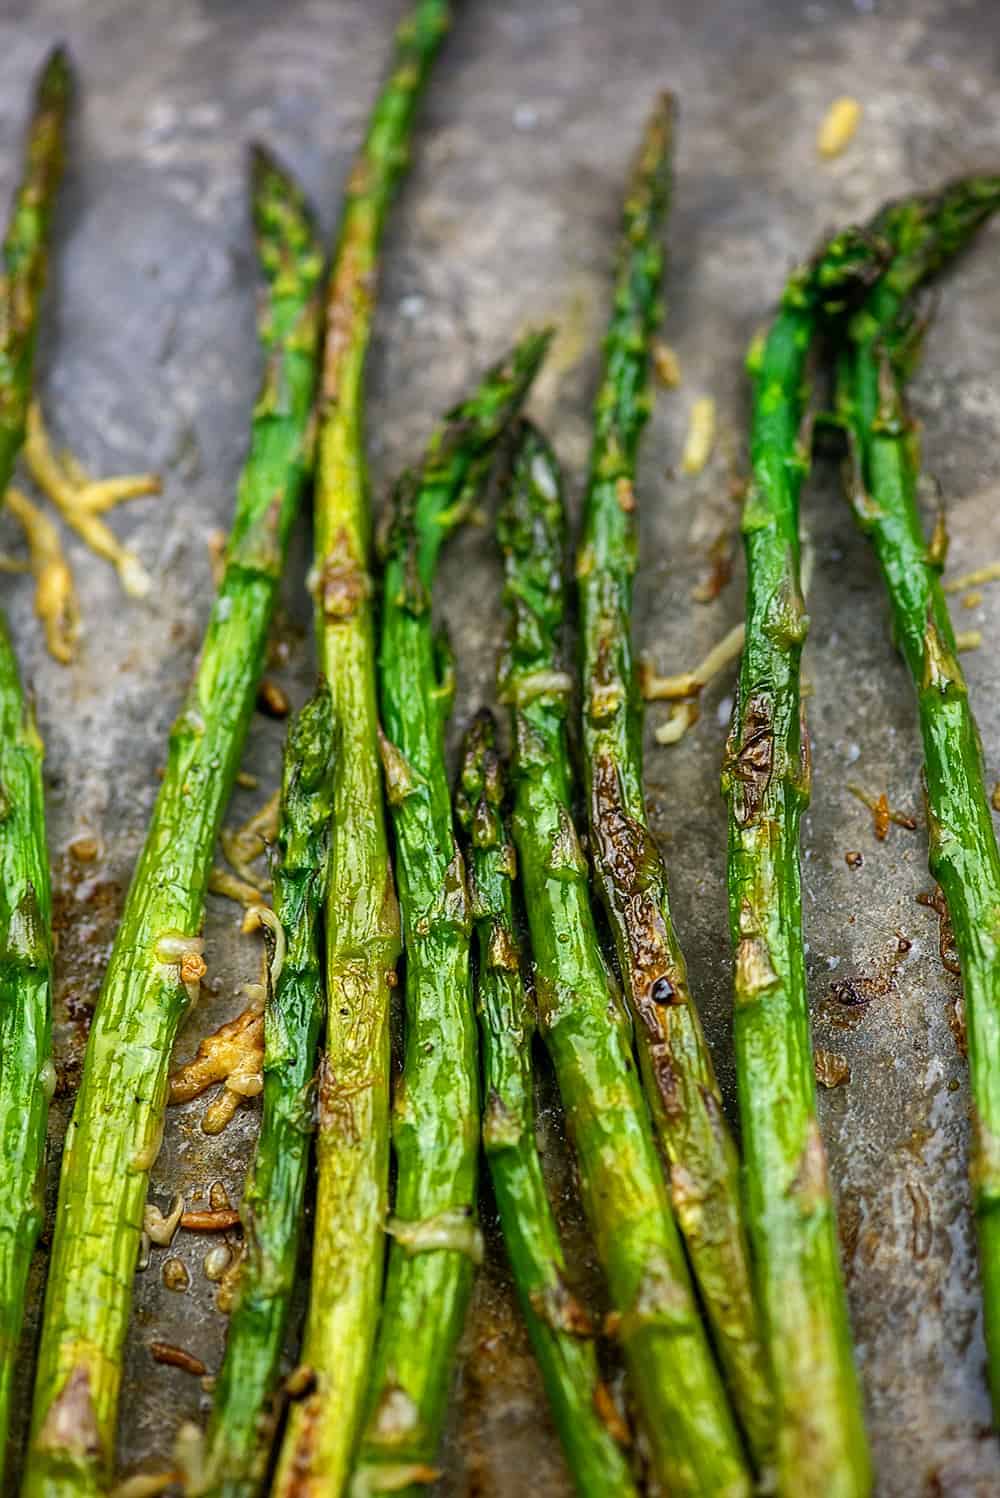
<point>509,217</point>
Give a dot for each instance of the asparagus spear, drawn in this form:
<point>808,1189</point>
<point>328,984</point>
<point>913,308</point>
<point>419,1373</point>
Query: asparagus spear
<point>820,1433</point>
<point>557,1325</point>
<point>240,1430</point>
<point>435,1240</point>
<point>362,924</point>
<point>676,1064</point>
<point>876,356</point>
<point>26,1074</point>
<point>155,966</point>
<point>25,251</point>
<point>693,1442</point>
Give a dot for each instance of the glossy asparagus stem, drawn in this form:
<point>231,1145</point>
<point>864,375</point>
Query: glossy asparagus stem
<point>155,965</point>
<point>676,1064</point>
<point>820,1433</point>
<point>559,1327</point>
<point>876,357</point>
<point>688,1426</point>
<point>362,926</point>
<point>26,1075</point>
<point>242,1423</point>
<point>435,1240</point>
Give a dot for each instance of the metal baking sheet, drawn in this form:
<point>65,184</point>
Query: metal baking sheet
<point>147,359</point>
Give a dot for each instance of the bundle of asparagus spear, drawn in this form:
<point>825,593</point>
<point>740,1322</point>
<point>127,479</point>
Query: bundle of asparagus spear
<point>725,1291</point>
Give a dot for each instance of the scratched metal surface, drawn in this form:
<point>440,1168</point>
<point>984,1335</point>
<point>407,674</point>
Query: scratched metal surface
<point>147,359</point>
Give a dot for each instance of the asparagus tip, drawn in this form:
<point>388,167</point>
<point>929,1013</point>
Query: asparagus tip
<point>661,122</point>
<point>309,755</point>
<point>481,733</point>
<point>478,762</point>
<point>531,350</point>
<point>55,79</point>
<point>840,272</point>
<point>925,232</point>
<point>284,225</point>
<point>274,185</point>
<point>267,175</point>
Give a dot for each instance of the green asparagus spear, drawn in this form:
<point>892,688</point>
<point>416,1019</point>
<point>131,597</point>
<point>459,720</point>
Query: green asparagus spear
<point>26,1074</point>
<point>25,251</point>
<point>155,966</point>
<point>435,1239</point>
<point>676,1065</point>
<point>877,353</point>
<point>362,924</point>
<point>239,1434</point>
<point>820,1433</point>
<point>558,1325</point>
<point>692,1439</point>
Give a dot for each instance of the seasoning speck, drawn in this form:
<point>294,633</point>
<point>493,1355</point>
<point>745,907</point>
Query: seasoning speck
<point>210,1222</point>
<point>832,1069</point>
<point>882,813</point>
<point>666,365</point>
<point>177,1357</point>
<point>839,126</point>
<point>272,699</point>
<point>988,574</point>
<point>175,1275</point>
<point>217,1261</point>
<point>700,436</point>
<point>84,849</point>
<point>218,1197</point>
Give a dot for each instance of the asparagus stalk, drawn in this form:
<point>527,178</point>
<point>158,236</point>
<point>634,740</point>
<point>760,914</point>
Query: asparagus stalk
<point>435,1241</point>
<point>677,1070</point>
<point>242,1424</point>
<point>155,965</point>
<point>26,251</point>
<point>26,1075</point>
<point>693,1442</point>
<point>873,364</point>
<point>820,1432</point>
<point>558,1326</point>
<point>362,922</point>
